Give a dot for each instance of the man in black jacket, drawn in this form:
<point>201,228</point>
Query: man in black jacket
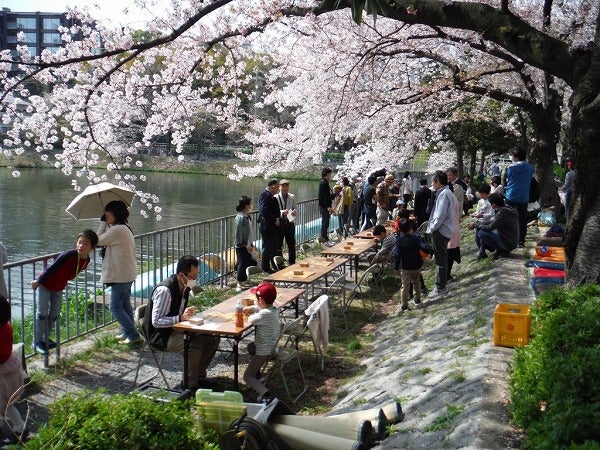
<point>422,199</point>
<point>501,234</point>
<point>270,225</point>
<point>168,306</point>
<point>325,199</point>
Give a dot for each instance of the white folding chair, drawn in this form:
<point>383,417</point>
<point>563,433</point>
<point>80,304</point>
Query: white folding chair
<point>279,261</point>
<point>305,249</point>
<point>317,323</point>
<point>157,355</point>
<point>251,271</point>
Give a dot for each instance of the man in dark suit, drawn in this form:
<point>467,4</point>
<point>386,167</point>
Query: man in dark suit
<point>270,225</point>
<point>422,199</point>
<point>325,199</point>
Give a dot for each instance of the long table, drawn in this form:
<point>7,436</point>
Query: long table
<point>351,248</point>
<point>219,321</point>
<point>306,272</point>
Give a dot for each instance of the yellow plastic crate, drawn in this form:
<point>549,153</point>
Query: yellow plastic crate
<point>512,325</point>
<point>217,410</point>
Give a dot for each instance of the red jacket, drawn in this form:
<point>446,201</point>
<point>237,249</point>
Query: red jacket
<point>64,268</point>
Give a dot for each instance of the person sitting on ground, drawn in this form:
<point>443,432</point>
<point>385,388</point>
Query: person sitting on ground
<point>11,378</point>
<point>51,284</point>
<point>408,261</point>
<point>168,306</point>
<point>484,212</point>
<point>496,185</point>
<point>501,234</point>
<point>265,317</point>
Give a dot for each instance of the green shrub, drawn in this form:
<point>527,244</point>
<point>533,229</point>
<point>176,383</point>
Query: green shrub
<point>96,420</point>
<point>554,383</point>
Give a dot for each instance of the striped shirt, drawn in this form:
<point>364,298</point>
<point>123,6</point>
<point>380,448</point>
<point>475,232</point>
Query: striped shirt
<point>267,329</point>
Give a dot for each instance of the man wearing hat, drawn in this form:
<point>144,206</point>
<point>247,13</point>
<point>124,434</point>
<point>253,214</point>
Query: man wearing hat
<point>269,225</point>
<point>287,207</point>
<point>399,207</point>
<point>383,199</point>
<point>265,317</point>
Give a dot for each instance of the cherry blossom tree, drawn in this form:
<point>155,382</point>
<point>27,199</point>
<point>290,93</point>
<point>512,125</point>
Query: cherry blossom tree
<point>572,55</point>
<point>390,84</point>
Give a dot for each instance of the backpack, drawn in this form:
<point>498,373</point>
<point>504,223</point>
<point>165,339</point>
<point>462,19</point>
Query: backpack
<point>534,190</point>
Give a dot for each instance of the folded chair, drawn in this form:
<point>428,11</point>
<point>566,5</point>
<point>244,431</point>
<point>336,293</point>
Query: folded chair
<point>157,355</point>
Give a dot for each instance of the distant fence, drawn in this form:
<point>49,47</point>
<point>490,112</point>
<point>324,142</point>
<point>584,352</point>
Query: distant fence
<point>85,300</point>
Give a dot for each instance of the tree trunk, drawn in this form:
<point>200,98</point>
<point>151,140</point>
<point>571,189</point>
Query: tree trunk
<point>460,164</point>
<point>546,125</point>
<point>582,244</point>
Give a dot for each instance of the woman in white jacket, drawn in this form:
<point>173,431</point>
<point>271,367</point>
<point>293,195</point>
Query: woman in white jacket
<point>118,266</point>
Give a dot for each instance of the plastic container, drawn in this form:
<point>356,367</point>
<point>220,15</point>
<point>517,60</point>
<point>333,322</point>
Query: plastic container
<point>512,325</point>
<point>239,314</point>
<point>217,410</point>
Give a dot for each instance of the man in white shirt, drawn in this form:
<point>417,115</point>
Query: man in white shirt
<point>168,306</point>
<point>441,226</point>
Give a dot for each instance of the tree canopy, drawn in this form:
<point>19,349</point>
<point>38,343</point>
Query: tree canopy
<point>389,82</point>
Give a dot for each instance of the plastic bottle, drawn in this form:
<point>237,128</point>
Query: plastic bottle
<point>239,314</point>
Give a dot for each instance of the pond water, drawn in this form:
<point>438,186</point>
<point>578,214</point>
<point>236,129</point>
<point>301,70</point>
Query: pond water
<point>33,221</point>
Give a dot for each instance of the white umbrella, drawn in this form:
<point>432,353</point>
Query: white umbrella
<point>91,202</point>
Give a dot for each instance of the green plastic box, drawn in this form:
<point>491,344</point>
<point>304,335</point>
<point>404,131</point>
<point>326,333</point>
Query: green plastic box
<point>217,410</point>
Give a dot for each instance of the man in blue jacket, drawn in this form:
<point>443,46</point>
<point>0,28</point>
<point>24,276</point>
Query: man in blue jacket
<point>517,184</point>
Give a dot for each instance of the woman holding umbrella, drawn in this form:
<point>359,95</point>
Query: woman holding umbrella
<point>118,266</point>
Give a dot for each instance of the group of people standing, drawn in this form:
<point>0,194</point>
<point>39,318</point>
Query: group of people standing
<point>361,203</point>
<point>277,211</point>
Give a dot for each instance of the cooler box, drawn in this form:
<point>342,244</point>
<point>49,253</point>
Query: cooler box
<point>217,410</point>
<point>512,325</point>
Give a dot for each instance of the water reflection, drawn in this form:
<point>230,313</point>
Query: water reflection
<point>33,220</point>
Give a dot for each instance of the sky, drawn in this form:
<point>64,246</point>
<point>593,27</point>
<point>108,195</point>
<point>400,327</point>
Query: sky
<point>104,9</point>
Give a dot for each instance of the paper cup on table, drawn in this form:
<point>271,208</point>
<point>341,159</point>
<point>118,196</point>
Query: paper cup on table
<point>304,264</point>
<point>298,272</point>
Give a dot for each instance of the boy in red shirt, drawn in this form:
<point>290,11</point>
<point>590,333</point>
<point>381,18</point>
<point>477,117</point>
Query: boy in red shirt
<point>53,281</point>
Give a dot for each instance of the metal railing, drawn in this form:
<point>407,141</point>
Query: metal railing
<point>85,306</point>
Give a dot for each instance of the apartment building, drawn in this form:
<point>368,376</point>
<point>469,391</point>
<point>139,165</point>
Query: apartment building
<point>40,30</point>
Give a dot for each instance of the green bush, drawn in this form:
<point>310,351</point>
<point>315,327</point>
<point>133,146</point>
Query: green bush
<point>554,382</point>
<point>96,420</point>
